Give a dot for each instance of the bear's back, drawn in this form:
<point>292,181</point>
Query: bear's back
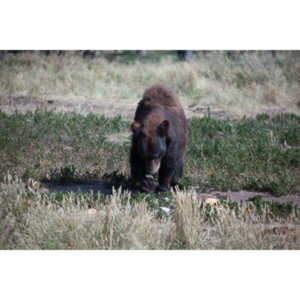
<point>159,95</point>
<point>156,99</point>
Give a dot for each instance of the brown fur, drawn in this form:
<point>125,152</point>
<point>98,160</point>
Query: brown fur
<point>160,113</point>
<point>160,103</point>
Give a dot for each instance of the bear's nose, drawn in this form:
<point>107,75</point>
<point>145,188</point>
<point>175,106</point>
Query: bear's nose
<point>153,166</point>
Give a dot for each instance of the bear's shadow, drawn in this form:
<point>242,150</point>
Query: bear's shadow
<point>99,186</point>
<point>104,185</point>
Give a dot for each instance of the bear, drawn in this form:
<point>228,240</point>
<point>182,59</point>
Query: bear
<point>159,136</point>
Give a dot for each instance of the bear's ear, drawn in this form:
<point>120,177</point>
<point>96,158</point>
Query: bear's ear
<point>135,127</point>
<point>163,128</point>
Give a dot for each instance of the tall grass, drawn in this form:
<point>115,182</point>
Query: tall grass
<point>246,83</point>
<point>32,219</point>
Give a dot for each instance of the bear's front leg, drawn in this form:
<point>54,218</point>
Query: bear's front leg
<point>166,173</point>
<point>138,173</point>
<point>137,168</point>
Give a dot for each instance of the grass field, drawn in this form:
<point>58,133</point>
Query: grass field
<point>234,86</point>
<point>71,128</point>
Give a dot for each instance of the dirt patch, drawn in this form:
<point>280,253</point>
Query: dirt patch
<point>214,112</point>
<point>21,104</point>
<point>246,195</point>
<point>125,108</point>
<point>108,108</point>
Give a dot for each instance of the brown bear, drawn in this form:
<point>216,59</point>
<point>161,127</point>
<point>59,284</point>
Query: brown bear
<point>159,134</point>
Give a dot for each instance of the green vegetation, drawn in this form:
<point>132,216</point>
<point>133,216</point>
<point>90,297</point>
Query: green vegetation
<point>67,147</point>
<point>259,154</point>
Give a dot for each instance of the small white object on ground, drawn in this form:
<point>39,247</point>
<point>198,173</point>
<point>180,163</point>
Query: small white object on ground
<point>166,210</point>
<point>166,199</point>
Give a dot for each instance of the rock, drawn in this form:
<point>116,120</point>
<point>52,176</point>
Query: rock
<point>211,201</point>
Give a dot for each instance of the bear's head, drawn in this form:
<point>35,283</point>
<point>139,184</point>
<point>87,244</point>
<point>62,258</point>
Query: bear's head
<point>151,143</point>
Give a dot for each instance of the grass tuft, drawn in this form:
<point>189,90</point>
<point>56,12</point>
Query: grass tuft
<point>33,219</point>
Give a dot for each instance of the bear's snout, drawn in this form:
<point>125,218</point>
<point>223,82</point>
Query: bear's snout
<point>152,166</point>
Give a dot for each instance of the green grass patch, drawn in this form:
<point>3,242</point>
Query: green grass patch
<point>260,154</point>
<point>60,147</point>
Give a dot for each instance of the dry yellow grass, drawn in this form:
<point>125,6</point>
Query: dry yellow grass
<point>31,219</point>
<point>249,84</point>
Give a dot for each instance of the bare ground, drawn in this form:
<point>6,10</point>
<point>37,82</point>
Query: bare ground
<point>246,195</point>
<point>126,108</point>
